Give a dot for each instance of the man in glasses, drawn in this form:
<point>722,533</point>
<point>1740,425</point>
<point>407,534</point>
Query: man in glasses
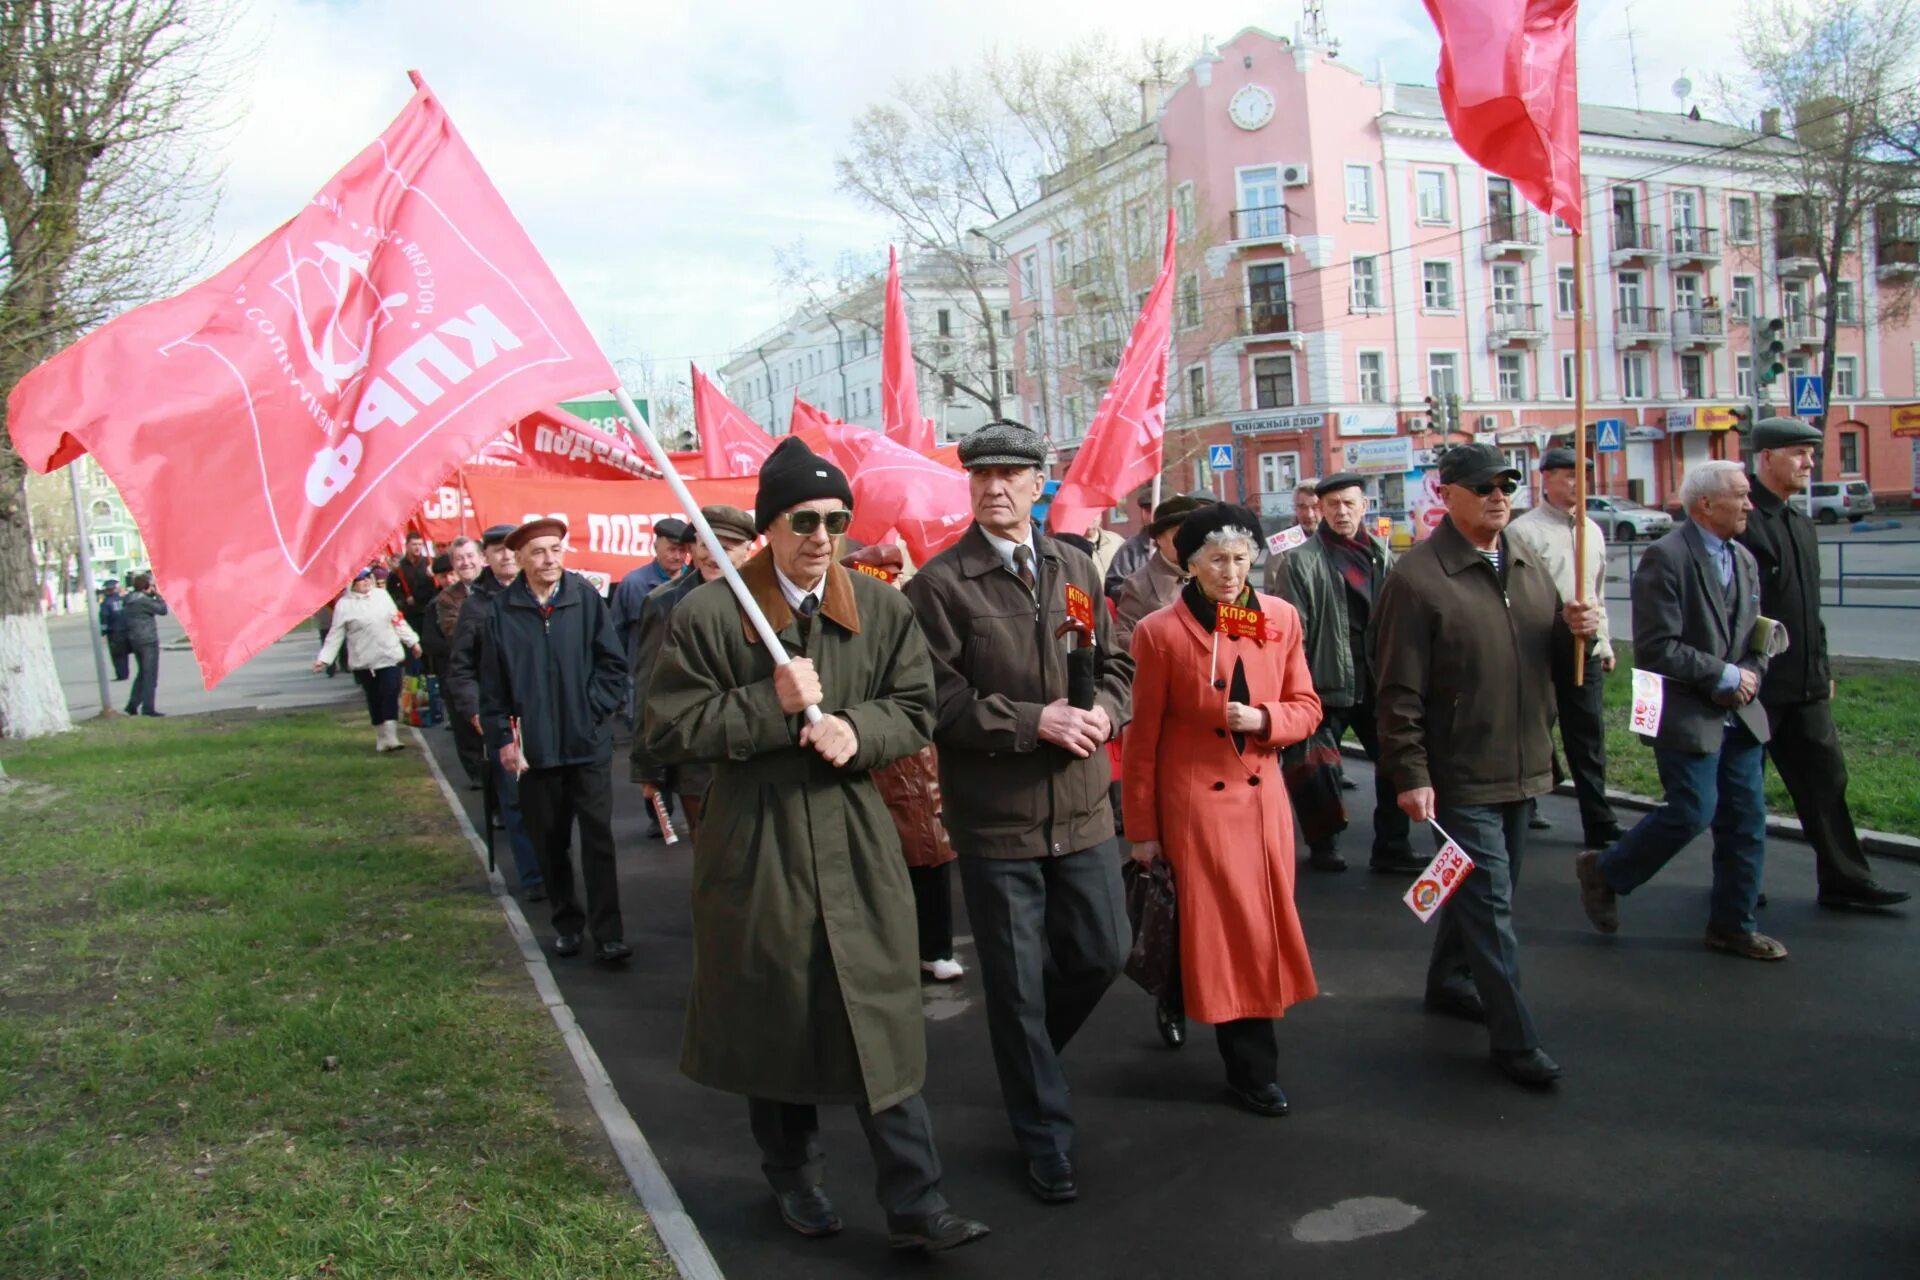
<point>806,970</point>
<point>1464,631</point>
<point>1025,774</point>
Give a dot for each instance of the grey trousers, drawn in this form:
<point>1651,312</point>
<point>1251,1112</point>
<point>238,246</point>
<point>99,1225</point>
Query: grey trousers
<point>907,1168</point>
<point>1051,934</point>
<point>1474,947</point>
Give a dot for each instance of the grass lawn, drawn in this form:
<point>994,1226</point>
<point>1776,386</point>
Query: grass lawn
<point>259,1016</point>
<point>1877,711</point>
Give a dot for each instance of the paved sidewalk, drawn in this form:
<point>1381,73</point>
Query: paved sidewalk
<point>278,677</point>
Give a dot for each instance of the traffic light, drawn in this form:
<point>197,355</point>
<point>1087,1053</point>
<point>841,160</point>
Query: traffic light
<point>1770,352</point>
<point>1435,421</point>
<point>1453,411</point>
<point>1743,422</point>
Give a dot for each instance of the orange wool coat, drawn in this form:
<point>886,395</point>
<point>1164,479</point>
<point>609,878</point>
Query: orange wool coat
<point>1222,817</point>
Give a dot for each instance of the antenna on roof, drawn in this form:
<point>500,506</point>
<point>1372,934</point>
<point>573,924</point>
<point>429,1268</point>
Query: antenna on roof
<point>1633,60</point>
<point>1313,24</point>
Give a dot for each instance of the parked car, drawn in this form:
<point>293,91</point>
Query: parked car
<point>1826,501</point>
<point>1623,519</point>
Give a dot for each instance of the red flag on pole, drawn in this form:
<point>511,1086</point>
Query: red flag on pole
<point>733,443</point>
<point>899,390</point>
<point>275,424</point>
<point>556,441</point>
<point>895,490</point>
<point>1510,85</point>
<point>1123,446</point>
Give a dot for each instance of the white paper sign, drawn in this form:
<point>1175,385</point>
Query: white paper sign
<point>1286,540</point>
<point>1443,875</point>
<point>1649,696</point>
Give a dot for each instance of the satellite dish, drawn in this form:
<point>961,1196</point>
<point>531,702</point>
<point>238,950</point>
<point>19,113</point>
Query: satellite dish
<point>1682,88</point>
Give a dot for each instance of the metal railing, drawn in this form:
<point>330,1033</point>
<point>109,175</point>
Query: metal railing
<point>1102,355</point>
<point>1266,317</point>
<point>1694,242</point>
<point>1635,237</point>
<point>1691,323</point>
<point>1261,222</point>
<point>1640,322</point>
<point>1090,275</point>
<point>1510,226</point>
<point>1511,319</point>
<point>1845,581</point>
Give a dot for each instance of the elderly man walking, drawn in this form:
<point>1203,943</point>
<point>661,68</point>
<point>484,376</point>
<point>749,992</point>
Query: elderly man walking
<point>1696,602</point>
<point>1797,693</point>
<point>805,979</point>
<point>1155,584</point>
<point>1464,629</point>
<point>468,563</point>
<point>1026,775</point>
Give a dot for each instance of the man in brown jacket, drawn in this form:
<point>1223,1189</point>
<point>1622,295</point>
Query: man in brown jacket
<point>1463,641</point>
<point>1025,775</point>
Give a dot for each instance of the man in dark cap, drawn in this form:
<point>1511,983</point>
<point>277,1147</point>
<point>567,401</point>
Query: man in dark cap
<point>551,682</point>
<point>1333,580</point>
<point>806,974</point>
<point>1463,635</point>
<point>1025,775</point>
<point>113,625</point>
<point>1135,551</point>
<point>1155,584</point>
<point>1547,529</point>
<point>1797,692</point>
<point>411,583</point>
<point>673,540</point>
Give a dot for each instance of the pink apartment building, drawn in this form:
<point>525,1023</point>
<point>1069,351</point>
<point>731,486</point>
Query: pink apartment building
<point>1341,260</point>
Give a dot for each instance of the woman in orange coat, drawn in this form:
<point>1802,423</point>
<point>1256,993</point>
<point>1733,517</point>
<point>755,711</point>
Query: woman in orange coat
<point>1211,711</point>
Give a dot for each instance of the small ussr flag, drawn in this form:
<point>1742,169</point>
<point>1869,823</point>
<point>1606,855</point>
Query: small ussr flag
<point>272,426</point>
<point>1436,884</point>
<point>1510,85</point>
<point>733,443</point>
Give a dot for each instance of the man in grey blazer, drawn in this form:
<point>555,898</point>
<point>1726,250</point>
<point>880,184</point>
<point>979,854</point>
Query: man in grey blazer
<point>1696,597</point>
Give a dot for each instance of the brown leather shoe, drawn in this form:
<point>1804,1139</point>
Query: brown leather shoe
<point>1753,946</point>
<point>1599,902</point>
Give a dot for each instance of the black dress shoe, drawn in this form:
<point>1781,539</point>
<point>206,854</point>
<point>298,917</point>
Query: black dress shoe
<point>808,1211</point>
<point>1465,1005</point>
<point>156,713</point>
<point>1348,784</point>
<point>1529,1067</point>
<point>1267,1100</point>
<point>567,944</point>
<point>1326,860</point>
<point>1398,864</point>
<point>934,1232</point>
<point>1171,1022</point>
<point>613,952</point>
<point>1051,1178</point>
<point>536,894</point>
<point>1602,837</point>
<point>1862,895</point>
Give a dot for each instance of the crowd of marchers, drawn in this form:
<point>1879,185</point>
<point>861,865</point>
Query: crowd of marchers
<point>1021,702</point>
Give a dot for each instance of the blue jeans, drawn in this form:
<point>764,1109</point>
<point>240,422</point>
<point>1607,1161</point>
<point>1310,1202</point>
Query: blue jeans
<point>1721,789</point>
<point>1474,946</point>
<point>506,796</point>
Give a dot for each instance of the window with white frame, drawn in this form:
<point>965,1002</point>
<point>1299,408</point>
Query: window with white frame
<point>1566,374</point>
<point>1844,311</point>
<point>1743,295</point>
<point>1066,328</point>
<point>1032,353</point>
<point>1430,192</point>
<point>1693,377</point>
<point>870,394</point>
<point>1511,370</point>
<point>1030,273</point>
<point>1360,191</point>
<point>1373,377</point>
<point>1006,329</point>
<point>1139,230</point>
<point>1560,227</point>
<point>1366,283</point>
<point>1563,291</point>
<point>1636,376</point>
<point>1443,374</point>
<point>1196,389</point>
<point>1743,377</point>
<point>1436,286</point>
<point>1279,472</point>
<point>1008,386</point>
<point>1273,382</point>
<point>1740,220</point>
<point>1184,214</point>
<point>1075,428</point>
<point>1846,377</point>
<point>943,322</point>
<point>1189,309</point>
<point>1796,367</point>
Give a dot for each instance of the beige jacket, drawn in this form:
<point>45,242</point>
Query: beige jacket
<point>1548,533</point>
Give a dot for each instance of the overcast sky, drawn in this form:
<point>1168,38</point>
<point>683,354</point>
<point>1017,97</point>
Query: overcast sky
<point>659,153</point>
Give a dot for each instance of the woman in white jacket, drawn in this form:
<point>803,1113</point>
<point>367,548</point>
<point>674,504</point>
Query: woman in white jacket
<point>378,640</point>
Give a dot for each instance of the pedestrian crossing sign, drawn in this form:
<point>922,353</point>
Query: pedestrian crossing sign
<point>1606,435</point>
<point>1220,457</point>
<point>1809,395</point>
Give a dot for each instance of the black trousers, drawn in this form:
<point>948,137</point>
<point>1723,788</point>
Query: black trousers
<point>906,1165</point>
<point>1390,838</point>
<point>1805,750</point>
<point>552,801</point>
<point>146,677</point>
<point>933,906</point>
<point>1583,732</point>
<point>471,748</point>
<point>119,651</point>
<point>1251,1050</point>
<point>382,687</point>
<point>1052,934</point>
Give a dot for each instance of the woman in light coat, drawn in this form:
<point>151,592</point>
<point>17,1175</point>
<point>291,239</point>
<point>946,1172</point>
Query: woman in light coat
<point>1214,701</point>
<point>378,640</point>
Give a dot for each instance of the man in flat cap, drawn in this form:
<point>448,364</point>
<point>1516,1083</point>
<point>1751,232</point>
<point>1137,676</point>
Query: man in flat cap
<point>1155,584</point>
<point>1463,635</point>
<point>1333,579</point>
<point>806,972</point>
<point>1798,690</point>
<point>734,528</point>
<point>1025,774</point>
<point>1547,529</point>
<point>551,681</point>
<point>673,540</point>
<point>464,655</point>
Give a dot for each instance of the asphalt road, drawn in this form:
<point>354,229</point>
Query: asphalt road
<point>1718,1116</point>
<point>279,677</point>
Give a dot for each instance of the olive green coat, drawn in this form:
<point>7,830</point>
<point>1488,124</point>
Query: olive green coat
<point>806,975</point>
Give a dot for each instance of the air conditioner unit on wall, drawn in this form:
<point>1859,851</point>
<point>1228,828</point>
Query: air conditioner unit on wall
<point>1293,175</point>
<point>1489,421</point>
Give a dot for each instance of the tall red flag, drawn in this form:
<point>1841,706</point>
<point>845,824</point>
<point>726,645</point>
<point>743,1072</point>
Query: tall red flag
<point>1510,84</point>
<point>733,443</point>
<point>270,427</point>
<point>1123,446</point>
<point>900,413</point>
<point>895,490</point>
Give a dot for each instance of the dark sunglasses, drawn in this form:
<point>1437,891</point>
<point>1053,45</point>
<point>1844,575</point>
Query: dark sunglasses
<point>807,523</point>
<point>1508,487</point>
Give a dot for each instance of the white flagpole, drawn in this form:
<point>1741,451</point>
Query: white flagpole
<point>644,433</point>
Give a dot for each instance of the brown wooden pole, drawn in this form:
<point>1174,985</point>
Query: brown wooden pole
<point>1579,448</point>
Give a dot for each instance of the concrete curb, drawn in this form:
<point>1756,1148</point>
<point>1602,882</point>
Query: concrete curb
<point>671,1222</point>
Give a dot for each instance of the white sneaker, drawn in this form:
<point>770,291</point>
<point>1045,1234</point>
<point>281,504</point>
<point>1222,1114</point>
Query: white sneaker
<point>942,970</point>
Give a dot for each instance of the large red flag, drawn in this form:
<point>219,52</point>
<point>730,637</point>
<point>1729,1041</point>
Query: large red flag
<point>1511,89</point>
<point>270,427</point>
<point>900,413</point>
<point>556,441</point>
<point>1122,450</point>
<point>733,443</point>
<point>895,490</point>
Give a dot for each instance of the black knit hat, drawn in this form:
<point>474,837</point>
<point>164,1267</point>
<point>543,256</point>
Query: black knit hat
<point>1211,519</point>
<point>791,475</point>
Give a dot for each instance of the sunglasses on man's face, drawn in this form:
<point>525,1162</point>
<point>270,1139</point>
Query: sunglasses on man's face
<point>1508,487</point>
<point>807,523</point>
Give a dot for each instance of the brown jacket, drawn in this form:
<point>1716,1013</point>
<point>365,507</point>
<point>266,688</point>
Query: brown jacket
<point>996,664</point>
<point>911,788</point>
<point>1153,586</point>
<point>1465,671</point>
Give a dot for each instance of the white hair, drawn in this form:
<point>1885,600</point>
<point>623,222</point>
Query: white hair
<point>1708,480</point>
<point>1232,533</point>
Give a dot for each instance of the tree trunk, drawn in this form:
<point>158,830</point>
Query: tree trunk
<point>31,702</point>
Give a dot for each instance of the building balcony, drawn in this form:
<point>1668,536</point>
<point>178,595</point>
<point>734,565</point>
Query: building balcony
<point>1796,253</point>
<point>1898,227</point>
<point>1262,225</point>
<point>1805,331</point>
<point>1634,325</point>
<point>1511,232</point>
<point>1510,322</point>
<point>1092,278</point>
<point>1268,321</point>
<point>1098,359</point>
<point>1635,240</point>
<point>1699,326</point>
<point>1695,244</point>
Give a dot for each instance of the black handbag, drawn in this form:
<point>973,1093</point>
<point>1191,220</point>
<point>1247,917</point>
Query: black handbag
<point>1311,769</point>
<point>1152,908</point>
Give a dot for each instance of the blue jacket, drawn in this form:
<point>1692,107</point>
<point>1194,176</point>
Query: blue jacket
<point>113,615</point>
<point>559,670</point>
